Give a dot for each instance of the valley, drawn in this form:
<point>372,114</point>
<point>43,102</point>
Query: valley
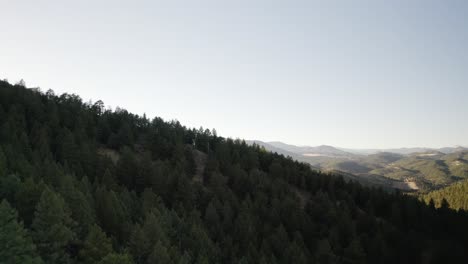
<point>417,169</point>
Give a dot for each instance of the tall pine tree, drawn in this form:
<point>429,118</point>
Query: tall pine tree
<point>16,245</point>
<point>52,228</point>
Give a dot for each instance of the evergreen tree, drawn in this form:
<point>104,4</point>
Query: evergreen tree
<point>212,217</point>
<point>159,255</point>
<point>324,253</point>
<point>96,246</point>
<point>111,213</point>
<point>354,253</point>
<point>15,244</point>
<point>116,259</point>
<point>80,207</point>
<point>27,197</point>
<point>3,163</point>
<point>127,168</point>
<point>52,228</point>
<point>109,181</point>
<point>9,186</point>
<point>139,246</point>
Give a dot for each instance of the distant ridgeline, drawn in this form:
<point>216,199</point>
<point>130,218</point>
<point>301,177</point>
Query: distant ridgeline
<point>83,184</point>
<point>405,169</point>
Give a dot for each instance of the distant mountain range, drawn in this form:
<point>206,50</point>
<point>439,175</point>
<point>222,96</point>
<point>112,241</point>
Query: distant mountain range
<point>404,151</point>
<point>403,168</point>
<point>322,150</point>
<point>325,150</point>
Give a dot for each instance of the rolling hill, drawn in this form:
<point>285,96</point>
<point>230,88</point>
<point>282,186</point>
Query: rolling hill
<point>407,169</point>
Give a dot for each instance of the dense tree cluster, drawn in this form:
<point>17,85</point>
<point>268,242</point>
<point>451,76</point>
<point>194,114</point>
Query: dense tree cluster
<point>83,184</point>
<point>454,196</point>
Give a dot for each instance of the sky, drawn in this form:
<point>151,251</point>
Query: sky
<point>354,74</point>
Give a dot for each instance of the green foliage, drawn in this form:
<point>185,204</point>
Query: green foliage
<point>354,253</point>
<point>80,207</point>
<point>110,212</point>
<point>15,244</point>
<point>324,253</point>
<point>116,259</point>
<point>455,195</point>
<point>26,199</point>
<point>9,186</point>
<point>96,246</point>
<point>52,228</point>
<point>3,163</point>
<point>159,254</point>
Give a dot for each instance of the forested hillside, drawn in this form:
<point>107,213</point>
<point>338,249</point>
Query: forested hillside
<point>83,184</point>
<point>455,196</point>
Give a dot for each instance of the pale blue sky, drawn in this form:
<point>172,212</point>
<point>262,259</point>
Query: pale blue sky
<point>359,74</point>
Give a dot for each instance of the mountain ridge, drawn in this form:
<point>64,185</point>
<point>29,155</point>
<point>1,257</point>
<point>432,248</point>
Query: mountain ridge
<point>365,151</point>
<point>409,169</point>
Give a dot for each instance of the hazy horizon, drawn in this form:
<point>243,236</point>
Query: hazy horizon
<point>359,149</point>
<point>360,75</point>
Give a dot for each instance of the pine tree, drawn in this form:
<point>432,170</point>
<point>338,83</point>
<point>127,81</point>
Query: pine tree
<point>127,169</point>
<point>212,217</point>
<point>139,246</point>
<point>294,254</point>
<point>3,163</point>
<point>159,254</point>
<point>324,253</point>
<point>52,228</point>
<point>15,244</point>
<point>144,173</point>
<point>149,201</point>
<point>184,259</point>
<point>354,253</point>
<point>109,211</point>
<point>68,151</point>
<point>116,259</point>
<point>154,229</point>
<point>26,198</point>
<point>108,180</point>
<point>81,210</point>
<point>96,246</point>
<point>9,186</point>
<point>145,236</point>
